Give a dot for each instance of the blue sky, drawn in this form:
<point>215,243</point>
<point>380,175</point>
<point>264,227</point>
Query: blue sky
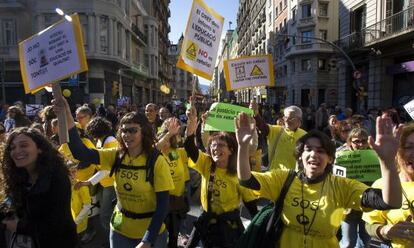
<point>180,11</point>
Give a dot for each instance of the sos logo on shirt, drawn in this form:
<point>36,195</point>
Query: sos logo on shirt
<point>129,174</point>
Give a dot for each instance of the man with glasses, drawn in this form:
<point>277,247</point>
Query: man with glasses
<point>281,140</point>
<point>83,115</point>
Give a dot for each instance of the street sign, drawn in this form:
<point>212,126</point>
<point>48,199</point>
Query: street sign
<point>357,74</point>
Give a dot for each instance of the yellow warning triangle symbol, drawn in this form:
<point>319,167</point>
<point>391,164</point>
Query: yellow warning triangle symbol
<point>256,71</point>
<point>191,50</point>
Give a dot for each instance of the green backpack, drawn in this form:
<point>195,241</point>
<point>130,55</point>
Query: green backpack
<point>266,226</point>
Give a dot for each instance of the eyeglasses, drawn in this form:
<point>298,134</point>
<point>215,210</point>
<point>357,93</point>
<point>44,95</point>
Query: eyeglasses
<point>217,145</point>
<point>289,118</point>
<point>131,130</point>
<point>356,142</point>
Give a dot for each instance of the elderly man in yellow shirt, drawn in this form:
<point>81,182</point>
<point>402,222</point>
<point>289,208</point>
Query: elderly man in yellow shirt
<point>281,140</point>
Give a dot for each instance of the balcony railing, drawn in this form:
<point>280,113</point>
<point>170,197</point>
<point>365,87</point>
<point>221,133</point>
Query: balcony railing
<point>140,69</point>
<point>397,24</point>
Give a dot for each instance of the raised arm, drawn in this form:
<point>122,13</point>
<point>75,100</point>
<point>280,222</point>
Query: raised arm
<point>386,146</point>
<point>244,133</point>
<point>76,146</point>
<point>189,144</point>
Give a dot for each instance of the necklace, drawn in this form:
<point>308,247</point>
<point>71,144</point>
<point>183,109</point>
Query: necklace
<point>303,219</point>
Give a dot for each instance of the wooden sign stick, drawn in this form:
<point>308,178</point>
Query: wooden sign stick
<point>63,128</point>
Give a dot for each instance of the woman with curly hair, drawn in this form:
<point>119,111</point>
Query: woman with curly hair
<point>37,183</point>
<point>142,192</point>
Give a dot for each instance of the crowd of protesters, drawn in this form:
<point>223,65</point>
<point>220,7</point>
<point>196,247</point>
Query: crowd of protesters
<point>142,164</point>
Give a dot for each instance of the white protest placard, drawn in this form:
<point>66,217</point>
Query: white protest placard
<point>250,71</point>
<point>201,40</point>
<point>339,171</point>
<point>409,107</point>
<point>53,54</point>
<point>33,109</point>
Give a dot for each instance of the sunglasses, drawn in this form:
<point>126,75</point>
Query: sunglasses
<point>131,130</point>
<point>356,142</point>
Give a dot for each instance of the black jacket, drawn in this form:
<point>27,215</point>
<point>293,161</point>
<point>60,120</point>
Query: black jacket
<point>46,212</point>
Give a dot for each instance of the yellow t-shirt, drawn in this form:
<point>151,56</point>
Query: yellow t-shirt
<point>134,193</point>
<point>394,215</point>
<point>283,157</point>
<point>338,194</point>
<point>227,192</point>
<point>81,174</point>
<point>111,142</point>
<point>80,198</point>
<point>179,171</point>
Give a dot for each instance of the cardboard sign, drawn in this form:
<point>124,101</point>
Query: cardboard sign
<point>33,109</point>
<point>53,54</point>
<point>221,116</point>
<point>362,165</point>
<point>199,49</point>
<point>251,71</point>
<point>409,107</point>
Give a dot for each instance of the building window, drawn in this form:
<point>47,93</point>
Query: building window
<point>285,70</point>
<point>284,23</point>
<point>104,26</point>
<point>307,37</point>
<point>8,29</point>
<point>323,34</point>
<point>294,14</point>
<point>323,9</point>
<point>276,12</point>
<point>285,3</point>
<point>84,23</point>
<point>306,65</point>
<point>306,10</point>
<point>322,64</point>
<point>280,6</point>
<point>293,65</point>
<point>119,35</point>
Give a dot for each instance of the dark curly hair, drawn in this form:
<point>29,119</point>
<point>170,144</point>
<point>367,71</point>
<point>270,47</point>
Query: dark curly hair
<point>48,161</point>
<point>99,127</point>
<point>232,145</point>
<point>326,144</point>
<point>146,131</point>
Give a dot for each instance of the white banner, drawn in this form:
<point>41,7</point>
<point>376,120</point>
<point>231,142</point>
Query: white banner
<point>201,40</point>
<point>53,54</point>
<point>409,107</point>
<point>251,71</point>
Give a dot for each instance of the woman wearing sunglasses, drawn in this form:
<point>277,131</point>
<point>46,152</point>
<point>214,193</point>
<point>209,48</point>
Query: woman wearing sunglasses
<point>142,204</point>
<point>396,226</point>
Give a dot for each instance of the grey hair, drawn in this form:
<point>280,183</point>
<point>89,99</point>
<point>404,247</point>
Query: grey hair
<point>295,109</point>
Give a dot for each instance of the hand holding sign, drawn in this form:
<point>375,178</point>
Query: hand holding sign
<point>192,118</point>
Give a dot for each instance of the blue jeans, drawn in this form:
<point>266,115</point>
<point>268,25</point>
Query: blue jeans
<point>105,197</point>
<point>353,231</point>
<point>120,241</point>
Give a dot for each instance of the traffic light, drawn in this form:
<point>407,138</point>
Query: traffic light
<point>115,88</point>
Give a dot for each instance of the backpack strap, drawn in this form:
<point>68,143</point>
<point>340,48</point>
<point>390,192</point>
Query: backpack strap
<point>150,165</point>
<point>278,206</point>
